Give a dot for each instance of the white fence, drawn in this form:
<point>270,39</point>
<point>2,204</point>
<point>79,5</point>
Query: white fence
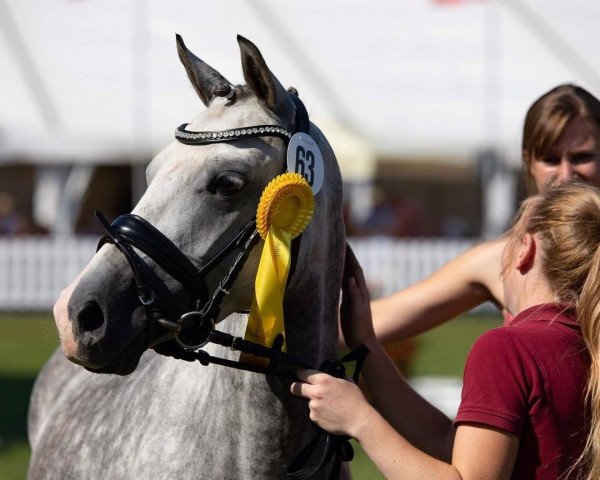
<point>392,264</point>
<point>33,270</point>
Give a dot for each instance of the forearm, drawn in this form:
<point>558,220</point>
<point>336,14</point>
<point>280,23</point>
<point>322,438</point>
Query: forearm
<point>411,415</point>
<point>339,407</point>
<point>416,309</point>
<point>394,455</point>
<point>467,281</point>
<point>408,437</point>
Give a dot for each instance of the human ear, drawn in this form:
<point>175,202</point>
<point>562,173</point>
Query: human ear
<point>526,255</point>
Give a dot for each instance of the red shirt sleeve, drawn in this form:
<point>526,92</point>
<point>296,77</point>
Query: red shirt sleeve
<point>495,383</point>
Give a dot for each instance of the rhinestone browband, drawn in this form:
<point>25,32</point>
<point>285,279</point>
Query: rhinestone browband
<point>200,138</point>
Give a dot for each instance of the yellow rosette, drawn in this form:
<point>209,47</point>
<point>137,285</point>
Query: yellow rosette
<point>285,208</point>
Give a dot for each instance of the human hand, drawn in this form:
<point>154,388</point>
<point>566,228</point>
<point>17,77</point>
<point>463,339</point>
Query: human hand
<point>335,404</point>
<point>355,310</point>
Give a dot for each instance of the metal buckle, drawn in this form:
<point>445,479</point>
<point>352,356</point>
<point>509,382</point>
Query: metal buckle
<point>204,328</point>
<point>147,302</point>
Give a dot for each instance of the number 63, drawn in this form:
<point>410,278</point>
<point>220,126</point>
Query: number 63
<point>305,163</point>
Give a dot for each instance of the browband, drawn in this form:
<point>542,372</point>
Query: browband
<point>202,138</point>
<point>302,125</point>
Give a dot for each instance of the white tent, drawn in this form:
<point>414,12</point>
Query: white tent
<point>427,79</point>
<point>412,77</point>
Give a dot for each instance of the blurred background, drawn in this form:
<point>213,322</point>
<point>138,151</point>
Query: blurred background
<point>423,102</point>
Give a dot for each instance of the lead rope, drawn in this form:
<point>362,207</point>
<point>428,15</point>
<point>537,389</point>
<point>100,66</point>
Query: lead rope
<point>308,464</point>
<point>322,457</point>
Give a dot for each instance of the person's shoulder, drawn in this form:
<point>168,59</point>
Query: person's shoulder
<point>521,340</point>
<point>499,356</point>
<point>499,334</point>
<point>497,341</point>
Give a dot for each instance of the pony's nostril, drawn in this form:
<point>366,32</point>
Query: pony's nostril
<point>91,317</point>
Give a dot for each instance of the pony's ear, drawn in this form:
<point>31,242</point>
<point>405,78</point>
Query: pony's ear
<point>260,79</point>
<point>207,82</point>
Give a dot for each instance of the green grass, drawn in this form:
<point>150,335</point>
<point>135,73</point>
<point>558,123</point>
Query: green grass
<point>443,350</point>
<point>26,341</point>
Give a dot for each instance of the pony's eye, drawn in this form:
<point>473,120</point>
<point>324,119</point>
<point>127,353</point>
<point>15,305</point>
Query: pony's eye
<point>229,184</point>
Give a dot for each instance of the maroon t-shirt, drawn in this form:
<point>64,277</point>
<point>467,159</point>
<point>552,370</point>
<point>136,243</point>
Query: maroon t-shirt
<point>528,378</point>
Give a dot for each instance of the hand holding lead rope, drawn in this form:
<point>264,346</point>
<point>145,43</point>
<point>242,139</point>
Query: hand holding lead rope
<point>322,457</point>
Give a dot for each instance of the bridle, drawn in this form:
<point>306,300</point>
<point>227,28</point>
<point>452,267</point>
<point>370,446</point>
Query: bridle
<point>130,230</point>
<point>196,327</point>
<point>127,231</point>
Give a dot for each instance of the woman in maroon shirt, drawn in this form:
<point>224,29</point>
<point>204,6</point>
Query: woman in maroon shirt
<point>528,410</point>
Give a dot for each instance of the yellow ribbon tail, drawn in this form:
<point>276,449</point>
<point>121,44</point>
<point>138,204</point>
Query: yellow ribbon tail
<point>265,321</point>
<point>284,211</point>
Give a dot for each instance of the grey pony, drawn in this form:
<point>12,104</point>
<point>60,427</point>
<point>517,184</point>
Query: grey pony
<point>134,414</point>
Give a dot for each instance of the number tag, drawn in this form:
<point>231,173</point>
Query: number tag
<point>304,157</point>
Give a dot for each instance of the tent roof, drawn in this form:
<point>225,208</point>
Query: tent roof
<point>418,78</point>
<point>43,147</point>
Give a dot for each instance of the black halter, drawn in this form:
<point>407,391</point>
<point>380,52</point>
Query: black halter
<point>322,457</point>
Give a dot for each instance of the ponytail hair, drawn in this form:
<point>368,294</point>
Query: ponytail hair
<point>588,309</point>
<point>567,222</point>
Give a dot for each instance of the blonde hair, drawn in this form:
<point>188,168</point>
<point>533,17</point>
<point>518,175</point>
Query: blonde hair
<point>567,222</point>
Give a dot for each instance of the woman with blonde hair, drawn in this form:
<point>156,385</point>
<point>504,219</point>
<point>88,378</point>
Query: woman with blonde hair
<point>530,405</point>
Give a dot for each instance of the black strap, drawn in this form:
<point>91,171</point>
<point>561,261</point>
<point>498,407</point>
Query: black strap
<point>139,233</point>
<point>302,124</point>
<point>309,465</point>
<point>322,457</point>
<point>302,121</point>
<point>274,354</point>
<point>243,240</point>
<point>135,262</point>
<point>131,230</point>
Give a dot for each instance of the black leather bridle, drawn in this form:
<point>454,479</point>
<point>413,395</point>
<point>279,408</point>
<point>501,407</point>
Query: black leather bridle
<point>322,457</point>
<point>128,231</point>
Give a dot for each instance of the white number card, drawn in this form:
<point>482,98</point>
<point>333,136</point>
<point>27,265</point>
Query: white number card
<point>304,157</point>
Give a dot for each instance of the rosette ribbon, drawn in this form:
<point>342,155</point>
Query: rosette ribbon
<point>285,208</point>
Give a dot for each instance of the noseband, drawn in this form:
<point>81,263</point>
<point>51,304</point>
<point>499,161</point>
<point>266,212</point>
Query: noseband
<point>130,230</point>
